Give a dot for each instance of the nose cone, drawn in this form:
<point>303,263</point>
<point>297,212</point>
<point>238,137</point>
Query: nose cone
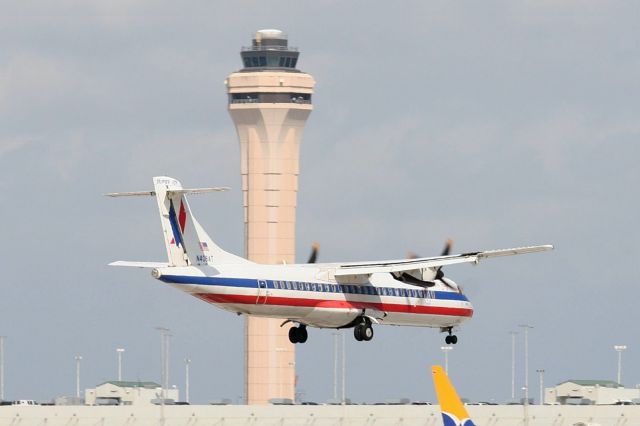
<point>470,309</point>
<point>466,305</point>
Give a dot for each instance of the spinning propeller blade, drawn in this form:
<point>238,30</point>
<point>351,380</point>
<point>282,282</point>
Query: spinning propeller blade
<point>314,253</point>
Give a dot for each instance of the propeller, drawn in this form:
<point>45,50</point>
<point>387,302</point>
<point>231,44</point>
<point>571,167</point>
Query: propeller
<point>315,247</point>
<point>445,252</point>
<point>439,274</point>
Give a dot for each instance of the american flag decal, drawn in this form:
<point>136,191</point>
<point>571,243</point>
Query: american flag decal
<point>204,246</point>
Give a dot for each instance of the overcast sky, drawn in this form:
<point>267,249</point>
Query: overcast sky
<point>496,123</point>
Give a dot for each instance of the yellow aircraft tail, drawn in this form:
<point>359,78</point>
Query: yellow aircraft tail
<point>453,411</point>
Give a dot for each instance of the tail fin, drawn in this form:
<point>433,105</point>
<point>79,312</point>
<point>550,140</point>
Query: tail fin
<point>186,241</point>
<point>453,411</point>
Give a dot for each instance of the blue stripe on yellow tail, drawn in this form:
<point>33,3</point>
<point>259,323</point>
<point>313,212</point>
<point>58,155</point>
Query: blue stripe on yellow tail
<point>453,411</point>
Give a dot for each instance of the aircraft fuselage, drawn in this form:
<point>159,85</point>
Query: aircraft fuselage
<point>294,292</point>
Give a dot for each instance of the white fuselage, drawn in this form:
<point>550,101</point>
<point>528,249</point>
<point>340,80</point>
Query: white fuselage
<point>308,295</point>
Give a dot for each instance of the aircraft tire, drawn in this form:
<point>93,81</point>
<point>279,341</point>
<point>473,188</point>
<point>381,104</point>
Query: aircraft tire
<point>447,340</point>
<point>302,334</point>
<point>367,332</point>
<point>357,332</point>
<point>454,339</point>
<point>293,335</point>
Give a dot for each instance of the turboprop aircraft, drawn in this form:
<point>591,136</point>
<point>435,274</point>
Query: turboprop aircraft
<point>411,292</point>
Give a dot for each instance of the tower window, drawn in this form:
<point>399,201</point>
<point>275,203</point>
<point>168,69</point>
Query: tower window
<point>263,61</point>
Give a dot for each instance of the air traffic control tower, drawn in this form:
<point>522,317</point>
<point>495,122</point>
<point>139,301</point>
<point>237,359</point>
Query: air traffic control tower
<point>269,102</point>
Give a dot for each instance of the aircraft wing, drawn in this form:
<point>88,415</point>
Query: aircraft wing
<point>366,268</point>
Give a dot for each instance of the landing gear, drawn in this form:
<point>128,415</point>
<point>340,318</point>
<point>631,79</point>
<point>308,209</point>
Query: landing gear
<point>298,334</point>
<point>451,339</point>
<point>363,331</point>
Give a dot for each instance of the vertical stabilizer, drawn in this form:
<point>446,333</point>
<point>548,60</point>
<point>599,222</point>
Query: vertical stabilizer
<point>453,411</point>
<point>173,219</point>
<point>185,240</point>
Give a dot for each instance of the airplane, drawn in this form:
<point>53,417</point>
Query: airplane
<point>453,411</point>
<point>405,292</point>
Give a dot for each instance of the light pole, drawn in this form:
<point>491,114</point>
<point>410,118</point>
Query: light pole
<point>187,361</point>
<point>2,367</point>
<point>526,328</point>
<point>513,365</point>
<point>335,366</point>
<point>541,377</point>
<point>120,351</point>
<point>78,358</point>
<point>620,349</point>
<point>164,355</point>
<point>445,351</point>
<point>344,369</point>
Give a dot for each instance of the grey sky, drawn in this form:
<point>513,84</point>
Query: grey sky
<point>496,124</point>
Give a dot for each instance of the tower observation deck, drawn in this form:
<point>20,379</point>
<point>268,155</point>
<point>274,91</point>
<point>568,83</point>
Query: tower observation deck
<point>269,102</point>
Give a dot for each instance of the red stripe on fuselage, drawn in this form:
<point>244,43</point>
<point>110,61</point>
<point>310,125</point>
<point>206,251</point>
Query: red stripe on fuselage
<point>333,304</point>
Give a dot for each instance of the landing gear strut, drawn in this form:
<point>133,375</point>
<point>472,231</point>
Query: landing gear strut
<point>298,334</point>
<point>451,339</point>
<point>363,331</point>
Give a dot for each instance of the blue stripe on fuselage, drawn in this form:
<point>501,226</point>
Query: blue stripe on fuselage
<point>252,283</point>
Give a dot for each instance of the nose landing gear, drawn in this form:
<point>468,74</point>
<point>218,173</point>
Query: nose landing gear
<point>451,339</point>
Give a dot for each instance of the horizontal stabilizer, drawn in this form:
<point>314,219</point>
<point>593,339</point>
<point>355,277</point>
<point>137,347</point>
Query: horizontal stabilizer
<point>170,192</point>
<point>139,264</point>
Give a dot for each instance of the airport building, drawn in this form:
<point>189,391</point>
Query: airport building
<point>269,102</point>
<point>129,393</point>
<point>590,392</point>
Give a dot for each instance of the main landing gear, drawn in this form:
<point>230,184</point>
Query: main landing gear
<point>363,331</point>
<point>298,334</point>
<point>451,339</point>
